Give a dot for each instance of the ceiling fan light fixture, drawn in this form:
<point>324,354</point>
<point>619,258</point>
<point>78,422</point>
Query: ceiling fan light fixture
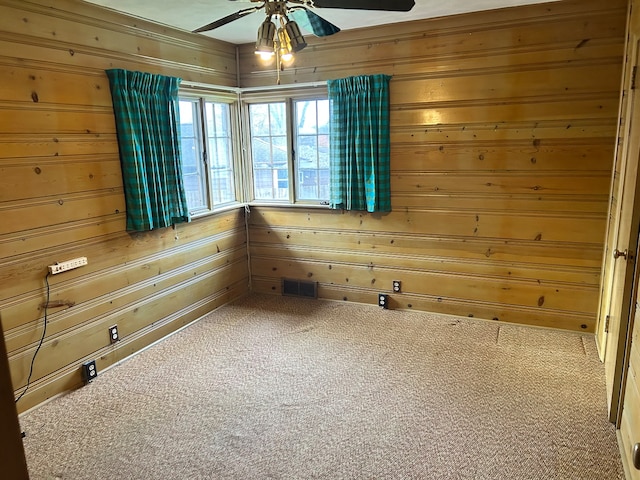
<point>266,38</point>
<point>284,46</point>
<point>296,39</point>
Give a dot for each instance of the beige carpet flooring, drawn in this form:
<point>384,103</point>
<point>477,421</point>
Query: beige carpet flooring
<point>284,388</point>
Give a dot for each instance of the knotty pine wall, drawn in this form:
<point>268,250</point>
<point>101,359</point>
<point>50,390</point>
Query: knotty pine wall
<point>61,196</point>
<point>503,127</point>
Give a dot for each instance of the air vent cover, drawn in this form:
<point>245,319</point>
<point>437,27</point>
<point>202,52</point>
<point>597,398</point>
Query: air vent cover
<point>299,288</point>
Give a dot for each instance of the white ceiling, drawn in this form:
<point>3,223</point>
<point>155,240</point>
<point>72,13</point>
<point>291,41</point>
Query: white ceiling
<point>196,13</point>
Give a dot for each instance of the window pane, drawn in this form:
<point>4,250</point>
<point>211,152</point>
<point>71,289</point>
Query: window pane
<point>269,151</point>
<point>192,171</point>
<point>323,117</point>
<point>312,150</point>
<point>260,119</point>
<point>220,152</point>
<point>278,118</point>
<point>307,117</point>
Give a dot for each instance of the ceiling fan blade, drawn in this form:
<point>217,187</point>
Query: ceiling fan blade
<point>388,5</point>
<point>311,22</point>
<point>227,19</point>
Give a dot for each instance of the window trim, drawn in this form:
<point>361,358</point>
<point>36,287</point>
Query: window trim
<point>203,95</point>
<point>288,96</point>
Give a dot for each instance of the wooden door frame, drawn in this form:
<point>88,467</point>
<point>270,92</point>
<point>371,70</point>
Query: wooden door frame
<point>612,231</point>
<point>12,455</point>
<point>622,230</point>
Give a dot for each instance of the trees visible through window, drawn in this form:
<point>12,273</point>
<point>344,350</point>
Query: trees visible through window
<point>312,149</point>
<point>269,151</point>
<point>281,156</point>
<point>290,150</point>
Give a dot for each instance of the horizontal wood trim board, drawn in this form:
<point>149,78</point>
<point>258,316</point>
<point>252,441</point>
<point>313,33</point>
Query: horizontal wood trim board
<point>504,85</point>
<point>502,156</point>
<point>499,132</point>
<point>118,23</point>
<point>574,230</point>
<point>54,123</point>
<point>55,159</point>
<point>104,279</point>
<point>41,86</point>
<point>79,307</point>
<point>331,257</point>
<point>429,115</point>
<point>480,310</point>
<point>36,148</point>
<point>25,242</point>
<point>33,104</point>
<point>60,27</point>
<point>534,205</point>
<point>197,228</point>
<point>40,182</point>
<point>61,322</point>
<point>209,69</point>
<point>62,210</point>
<point>605,50</point>
<point>453,248</point>
<point>570,298</point>
<point>508,182</point>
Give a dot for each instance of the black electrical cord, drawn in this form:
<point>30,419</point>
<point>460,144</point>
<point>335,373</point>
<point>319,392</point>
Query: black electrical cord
<point>44,332</point>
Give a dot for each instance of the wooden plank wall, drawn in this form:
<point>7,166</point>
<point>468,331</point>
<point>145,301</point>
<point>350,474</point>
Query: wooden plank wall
<point>503,127</point>
<point>61,196</point>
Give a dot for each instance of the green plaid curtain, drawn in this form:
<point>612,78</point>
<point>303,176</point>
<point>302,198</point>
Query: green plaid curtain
<point>146,111</point>
<point>360,144</point>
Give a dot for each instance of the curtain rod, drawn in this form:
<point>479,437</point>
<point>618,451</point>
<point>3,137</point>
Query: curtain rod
<point>284,87</point>
<point>222,88</point>
<point>208,86</point>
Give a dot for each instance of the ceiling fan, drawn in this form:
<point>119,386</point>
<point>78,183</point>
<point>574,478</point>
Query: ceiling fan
<point>319,26</point>
<point>292,15</point>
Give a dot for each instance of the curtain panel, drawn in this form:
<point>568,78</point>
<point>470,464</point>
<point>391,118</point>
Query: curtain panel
<point>360,143</point>
<point>147,121</point>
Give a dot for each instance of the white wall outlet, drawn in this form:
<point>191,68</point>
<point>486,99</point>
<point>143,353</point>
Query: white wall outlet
<point>396,286</point>
<point>60,267</point>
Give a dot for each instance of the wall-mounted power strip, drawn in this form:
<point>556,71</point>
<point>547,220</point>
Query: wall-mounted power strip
<point>68,265</point>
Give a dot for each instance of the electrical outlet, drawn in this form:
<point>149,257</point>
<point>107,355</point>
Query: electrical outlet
<point>89,371</point>
<point>60,267</point>
<point>383,300</point>
<point>396,286</point>
<point>114,336</point>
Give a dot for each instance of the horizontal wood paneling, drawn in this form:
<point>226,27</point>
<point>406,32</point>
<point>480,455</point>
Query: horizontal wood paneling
<point>450,306</point>
<point>503,129</point>
<point>530,227</point>
<point>512,38</point>
<point>62,197</point>
<point>548,156</point>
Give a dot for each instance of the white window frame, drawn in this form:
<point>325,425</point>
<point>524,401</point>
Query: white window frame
<point>201,96</point>
<point>288,97</point>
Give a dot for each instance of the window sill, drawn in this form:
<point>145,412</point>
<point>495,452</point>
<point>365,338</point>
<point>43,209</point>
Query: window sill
<point>288,205</point>
<point>238,205</point>
<point>226,208</point>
